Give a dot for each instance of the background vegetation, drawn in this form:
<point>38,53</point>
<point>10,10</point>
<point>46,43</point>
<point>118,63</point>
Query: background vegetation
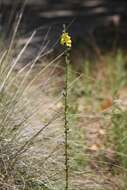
<point>32,106</point>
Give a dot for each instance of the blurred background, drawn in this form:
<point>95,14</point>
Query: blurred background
<point>97,78</point>
<point>102,21</point>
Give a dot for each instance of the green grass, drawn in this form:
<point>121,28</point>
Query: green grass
<point>95,84</point>
<point>36,161</point>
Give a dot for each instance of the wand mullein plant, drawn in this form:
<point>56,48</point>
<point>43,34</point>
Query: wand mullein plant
<point>66,41</point>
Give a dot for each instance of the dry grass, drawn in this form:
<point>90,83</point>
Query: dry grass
<point>32,126</point>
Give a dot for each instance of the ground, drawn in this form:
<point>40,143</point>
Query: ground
<point>93,160</point>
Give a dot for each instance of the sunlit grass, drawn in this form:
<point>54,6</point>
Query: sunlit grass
<point>32,129</point>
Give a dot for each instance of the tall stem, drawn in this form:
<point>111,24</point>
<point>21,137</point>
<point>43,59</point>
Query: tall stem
<point>66,126</point>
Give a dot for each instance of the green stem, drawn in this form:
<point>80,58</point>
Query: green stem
<point>66,126</point>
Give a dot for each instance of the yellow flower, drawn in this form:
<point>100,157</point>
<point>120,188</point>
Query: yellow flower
<point>66,40</point>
